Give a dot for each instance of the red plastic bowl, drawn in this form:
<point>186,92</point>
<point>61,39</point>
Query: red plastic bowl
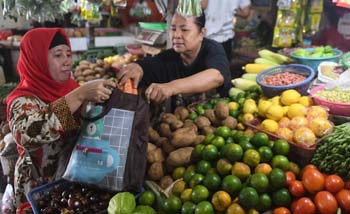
<point>334,107</point>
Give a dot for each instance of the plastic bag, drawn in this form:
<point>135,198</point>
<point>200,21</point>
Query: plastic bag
<point>7,200</point>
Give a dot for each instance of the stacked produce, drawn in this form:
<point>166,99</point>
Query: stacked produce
<point>323,51</point>
<point>266,60</point>
<point>291,117</point>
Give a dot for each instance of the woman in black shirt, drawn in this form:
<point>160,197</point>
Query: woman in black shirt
<point>193,65</point>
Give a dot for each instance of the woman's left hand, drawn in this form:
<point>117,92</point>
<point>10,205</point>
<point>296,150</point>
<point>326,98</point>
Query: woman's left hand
<point>159,92</point>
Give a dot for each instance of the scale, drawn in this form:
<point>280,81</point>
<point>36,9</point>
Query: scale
<point>152,33</point>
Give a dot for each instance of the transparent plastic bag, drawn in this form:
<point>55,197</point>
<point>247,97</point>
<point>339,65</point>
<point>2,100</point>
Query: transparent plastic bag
<point>7,200</point>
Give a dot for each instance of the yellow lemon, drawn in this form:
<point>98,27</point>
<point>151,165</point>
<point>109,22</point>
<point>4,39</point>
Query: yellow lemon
<point>262,106</point>
<point>285,110</point>
<point>233,105</point>
<point>306,101</point>
<point>304,135</point>
<point>317,112</point>
<point>274,112</point>
<point>285,133</point>
<point>320,126</point>
<point>249,106</point>
<point>269,125</point>
<point>275,100</point>
<point>248,117</point>
<point>296,109</point>
<point>289,97</point>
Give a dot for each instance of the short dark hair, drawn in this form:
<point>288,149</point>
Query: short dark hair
<point>200,21</point>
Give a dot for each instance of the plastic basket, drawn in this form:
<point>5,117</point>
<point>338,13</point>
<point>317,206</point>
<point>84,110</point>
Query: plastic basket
<point>298,153</point>
<point>314,62</point>
<point>335,108</point>
<point>301,87</point>
<point>42,191</point>
<point>346,60</point>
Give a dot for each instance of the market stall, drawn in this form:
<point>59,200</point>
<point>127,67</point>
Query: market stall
<point>278,143</point>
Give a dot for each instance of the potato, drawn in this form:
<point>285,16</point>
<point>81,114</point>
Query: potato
<point>100,62</point>
<point>155,156</point>
<point>164,130</point>
<point>202,121</point>
<point>151,147</point>
<point>210,114</point>
<point>84,62</point>
<point>166,181</point>
<point>183,137</point>
<point>208,130</point>
<point>230,122</point>
<point>160,141</point>
<point>190,123</point>
<point>153,135</point>
<point>168,118</point>
<point>221,110</point>
<point>89,78</point>
<point>199,139</point>
<point>180,157</point>
<point>156,171</point>
<point>181,113</point>
<point>88,72</point>
<point>93,66</point>
<point>168,147</point>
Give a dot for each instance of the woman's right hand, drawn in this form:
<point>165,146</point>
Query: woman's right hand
<point>97,90</point>
<point>131,71</point>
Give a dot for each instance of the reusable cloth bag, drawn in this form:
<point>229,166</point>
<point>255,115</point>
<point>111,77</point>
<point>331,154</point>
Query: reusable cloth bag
<point>112,147</point>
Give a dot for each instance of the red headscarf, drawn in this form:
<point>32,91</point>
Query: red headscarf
<point>35,78</point>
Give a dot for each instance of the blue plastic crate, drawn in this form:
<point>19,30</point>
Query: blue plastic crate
<point>38,193</point>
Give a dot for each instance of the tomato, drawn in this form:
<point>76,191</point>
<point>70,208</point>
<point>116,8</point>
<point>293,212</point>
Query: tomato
<point>313,180</point>
<point>347,185</point>
<point>304,206</point>
<point>334,183</point>
<point>290,176</point>
<point>326,202</point>
<point>309,166</point>
<point>343,199</point>
<point>296,188</point>
<point>281,210</point>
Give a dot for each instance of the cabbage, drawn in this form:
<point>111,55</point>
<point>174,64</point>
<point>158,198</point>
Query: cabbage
<point>122,203</point>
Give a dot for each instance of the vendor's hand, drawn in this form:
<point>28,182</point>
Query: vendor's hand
<point>97,90</point>
<point>158,92</point>
<point>131,71</point>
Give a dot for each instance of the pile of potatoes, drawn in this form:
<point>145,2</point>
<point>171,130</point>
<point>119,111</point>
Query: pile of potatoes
<point>87,71</point>
<point>172,140</point>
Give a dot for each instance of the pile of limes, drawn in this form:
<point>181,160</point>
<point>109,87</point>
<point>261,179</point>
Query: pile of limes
<point>234,172</point>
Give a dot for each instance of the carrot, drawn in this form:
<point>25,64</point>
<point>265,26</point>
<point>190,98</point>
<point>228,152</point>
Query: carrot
<point>128,87</point>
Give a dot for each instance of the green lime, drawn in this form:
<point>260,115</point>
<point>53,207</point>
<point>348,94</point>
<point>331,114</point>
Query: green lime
<point>232,184</point>
<point>240,95</point>
<point>234,152</point>
<point>280,161</point>
<point>172,205</point>
<point>280,147</point>
<point>212,181</point>
<point>223,131</point>
<point>196,179</point>
<point>208,106</point>
<point>265,202</point>
<point>178,172</point>
<point>266,154</point>
<point>188,208</point>
<point>210,152</point>
<point>237,136</point>
<point>281,198</point>
<point>241,101</point>
<point>193,115</point>
<point>197,151</point>
<point>190,171</point>
<point>199,193</point>
<point>223,166</point>
<point>208,139</point>
<point>245,144</point>
<point>204,207</point>
<point>234,113</point>
<point>203,167</point>
<point>229,140</point>
<point>147,198</point>
<point>233,133</point>
<point>200,110</point>
<point>248,197</point>
<point>218,141</point>
<point>251,157</point>
<point>277,178</point>
<point>259,181</point>
<point>260,139</point>
<point>186,195</point>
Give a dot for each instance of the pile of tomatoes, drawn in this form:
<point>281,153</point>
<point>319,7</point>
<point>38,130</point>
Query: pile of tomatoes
<point>317,192</point>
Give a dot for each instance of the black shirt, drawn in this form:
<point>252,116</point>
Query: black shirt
<point>168,65</point>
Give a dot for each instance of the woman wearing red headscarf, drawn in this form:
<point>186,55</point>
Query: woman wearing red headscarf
<point>41,109</point>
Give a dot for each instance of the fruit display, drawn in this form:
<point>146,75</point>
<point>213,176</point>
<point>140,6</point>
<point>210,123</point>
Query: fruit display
<point>336,94</point>
<point>318,52</point>
<point>286,77</point>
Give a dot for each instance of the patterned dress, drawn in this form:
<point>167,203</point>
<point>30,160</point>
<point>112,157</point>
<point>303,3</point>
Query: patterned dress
<point>47,132</point>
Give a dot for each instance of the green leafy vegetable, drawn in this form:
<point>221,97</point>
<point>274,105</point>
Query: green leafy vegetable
<point>122,203</point>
